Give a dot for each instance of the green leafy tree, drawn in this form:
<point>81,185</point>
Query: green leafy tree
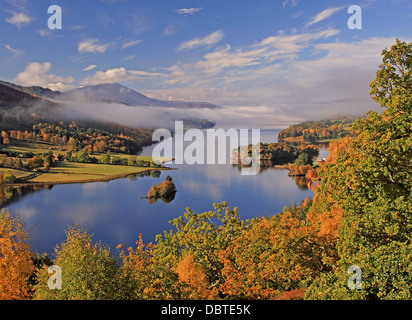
<point>82,156</point>
<point>8,177</point>
<point>303,160</point>
<point>105,158</point>
<point>89,271</point>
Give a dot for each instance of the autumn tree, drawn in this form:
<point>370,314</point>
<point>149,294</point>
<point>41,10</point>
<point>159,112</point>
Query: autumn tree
<point>5,137</point>
<point>16,264</point>
<point>142,276</point>
<point>372,181</point>
<point>194,279</point>
<point>136,272</point>
<point>72,144</point>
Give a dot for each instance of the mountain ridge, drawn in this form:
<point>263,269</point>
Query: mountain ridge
<point>107,93</point>
<point>122,94</point>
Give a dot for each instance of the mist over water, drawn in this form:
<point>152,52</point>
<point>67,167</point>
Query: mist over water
<point>248,117</point>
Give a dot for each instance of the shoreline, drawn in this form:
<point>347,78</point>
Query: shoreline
<point>81,181</point>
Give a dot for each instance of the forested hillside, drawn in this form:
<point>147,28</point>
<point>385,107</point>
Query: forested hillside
<point>318,131</point>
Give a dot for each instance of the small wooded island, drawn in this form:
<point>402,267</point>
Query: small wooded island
<point>165,191</point>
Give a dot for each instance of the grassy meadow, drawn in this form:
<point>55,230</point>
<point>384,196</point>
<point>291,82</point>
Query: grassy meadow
<point>70,172</point>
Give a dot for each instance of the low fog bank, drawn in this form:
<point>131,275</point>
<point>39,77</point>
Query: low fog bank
<point>238,117</point>
<point>260,117</point>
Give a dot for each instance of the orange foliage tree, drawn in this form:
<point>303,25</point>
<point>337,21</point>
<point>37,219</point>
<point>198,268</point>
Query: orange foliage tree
<point>16,264</point>
<point>193,276</point>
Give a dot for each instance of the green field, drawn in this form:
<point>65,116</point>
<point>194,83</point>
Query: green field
<point>35,147</point>
<point>19,174</point>
<point>71,172</point>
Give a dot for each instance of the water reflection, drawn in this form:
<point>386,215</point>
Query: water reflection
<point>11,194</point>
<point>165,199</point>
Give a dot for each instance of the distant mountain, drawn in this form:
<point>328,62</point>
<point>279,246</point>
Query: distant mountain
<point>121,94</point>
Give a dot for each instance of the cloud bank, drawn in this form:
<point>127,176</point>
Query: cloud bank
<point>37,74</point>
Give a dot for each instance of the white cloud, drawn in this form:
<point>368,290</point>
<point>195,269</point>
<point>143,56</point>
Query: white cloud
<point>92,46</point>
<point>131,44</point>
<point>106,20</point>
<point>119,75</point>
<point>108,76</point>
<point>131,57</point>
<point>171,29</point>
<point>295,42</point>
<point>44,32</point>
<point>19,19</point>
<point>209,40</point>
<point>91,67</point>
<point>297,14</point>
<point>37,74</point>
<point>292,3</point>
<point>15,52</point>
<point>78,27</point>
<point>188,11</point>
<point>323,15</point>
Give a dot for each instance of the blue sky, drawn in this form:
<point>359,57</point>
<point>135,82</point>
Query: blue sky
<point>292,58</point>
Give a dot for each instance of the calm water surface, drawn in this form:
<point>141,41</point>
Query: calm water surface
<point>115,213</point>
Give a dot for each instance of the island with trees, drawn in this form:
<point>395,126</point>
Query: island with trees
<point>165,191</point>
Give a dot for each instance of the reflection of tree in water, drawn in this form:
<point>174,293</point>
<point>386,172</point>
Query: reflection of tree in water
<point>165,200</point>
<point>301,181</point>
<point>265,165</point>
<point>11,194</point>
<point>151,173</point>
